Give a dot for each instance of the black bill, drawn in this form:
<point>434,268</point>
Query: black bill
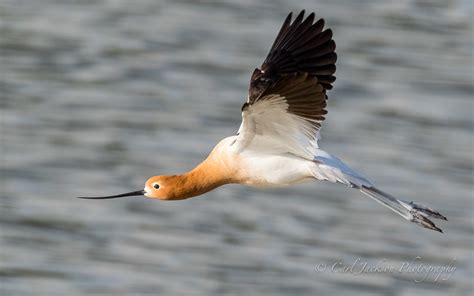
<point>133,193</point>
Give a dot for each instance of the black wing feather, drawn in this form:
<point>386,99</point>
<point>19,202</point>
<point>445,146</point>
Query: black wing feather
<point>301,46</point>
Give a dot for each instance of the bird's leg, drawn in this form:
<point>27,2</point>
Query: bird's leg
<point>409,210</point>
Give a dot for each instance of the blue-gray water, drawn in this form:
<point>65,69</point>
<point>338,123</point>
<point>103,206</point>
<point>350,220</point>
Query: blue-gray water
<point>96,96</point>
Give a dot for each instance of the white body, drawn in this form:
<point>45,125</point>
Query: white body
<point>263,168</point>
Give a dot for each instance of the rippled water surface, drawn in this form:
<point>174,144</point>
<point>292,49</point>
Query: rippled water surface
<point>96,96</point>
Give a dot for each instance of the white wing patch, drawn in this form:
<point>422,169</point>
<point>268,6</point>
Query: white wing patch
<point>268,127</point>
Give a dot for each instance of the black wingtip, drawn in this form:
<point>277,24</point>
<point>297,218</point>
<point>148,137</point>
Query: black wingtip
<point>299,18</point>
<point>301,45</point>
<point>301,14</point>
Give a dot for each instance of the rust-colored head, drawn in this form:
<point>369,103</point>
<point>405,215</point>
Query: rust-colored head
<point>160,187</point>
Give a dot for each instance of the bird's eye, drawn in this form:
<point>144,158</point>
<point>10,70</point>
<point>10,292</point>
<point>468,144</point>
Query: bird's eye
<point>156,186</point>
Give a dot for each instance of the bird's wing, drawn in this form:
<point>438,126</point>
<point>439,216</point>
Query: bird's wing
<point>287,95</point>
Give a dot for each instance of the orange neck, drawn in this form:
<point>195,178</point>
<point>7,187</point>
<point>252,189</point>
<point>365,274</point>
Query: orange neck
<point>206,176</point>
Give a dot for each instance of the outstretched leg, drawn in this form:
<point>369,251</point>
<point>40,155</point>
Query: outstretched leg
<point>409,210</point>
<point>330,168</point>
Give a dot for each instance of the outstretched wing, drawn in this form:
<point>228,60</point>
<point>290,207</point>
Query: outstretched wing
<point>287,95</point>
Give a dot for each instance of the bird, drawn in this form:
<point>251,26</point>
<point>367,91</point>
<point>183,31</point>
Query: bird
<point>277,143</point>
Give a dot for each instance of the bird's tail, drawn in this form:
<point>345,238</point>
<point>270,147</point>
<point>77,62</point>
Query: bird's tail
<point>409,210</point>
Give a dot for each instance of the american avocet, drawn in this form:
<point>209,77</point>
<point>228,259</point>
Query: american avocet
<point>277,142</point>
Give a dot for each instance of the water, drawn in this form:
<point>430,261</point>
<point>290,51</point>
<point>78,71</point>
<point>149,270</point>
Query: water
<point>99,95</point>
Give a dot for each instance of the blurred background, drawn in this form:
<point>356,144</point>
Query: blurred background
<point>97,96</point>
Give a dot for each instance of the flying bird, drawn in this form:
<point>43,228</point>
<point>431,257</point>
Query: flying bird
<point>277,143</point>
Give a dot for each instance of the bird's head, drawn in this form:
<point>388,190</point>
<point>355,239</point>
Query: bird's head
<point>159,187</point>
